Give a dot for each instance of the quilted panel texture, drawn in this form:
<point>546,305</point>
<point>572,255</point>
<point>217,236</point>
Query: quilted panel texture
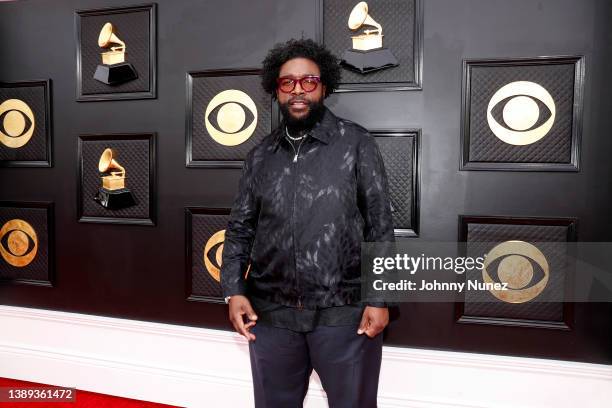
<point>203,226</point>
<point>397,18</point>
<point>549,240</point>
<point>397,152</point>
<point>131,154</point>
<point>36,147</point>
<point>203,146</point>
<point>555,147</point>
<point>38,268</point>
<point>133,29</point>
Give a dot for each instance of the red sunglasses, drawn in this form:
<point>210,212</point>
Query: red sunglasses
<point>308,83</point>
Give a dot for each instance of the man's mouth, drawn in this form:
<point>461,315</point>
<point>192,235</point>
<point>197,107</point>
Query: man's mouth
<point>298,103</point>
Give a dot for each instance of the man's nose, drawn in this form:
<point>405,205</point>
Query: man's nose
<point>298,88</point>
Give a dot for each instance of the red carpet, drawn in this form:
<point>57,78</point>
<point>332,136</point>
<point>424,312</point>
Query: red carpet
<point>84,399</point>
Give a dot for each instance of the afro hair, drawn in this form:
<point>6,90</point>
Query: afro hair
<point>305,48</point>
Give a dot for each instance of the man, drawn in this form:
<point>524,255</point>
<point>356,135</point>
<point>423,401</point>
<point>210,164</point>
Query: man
<point>309,194</point>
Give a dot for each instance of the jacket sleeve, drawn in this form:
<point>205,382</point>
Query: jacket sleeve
<point>373,197</point>
<point>240,233</point>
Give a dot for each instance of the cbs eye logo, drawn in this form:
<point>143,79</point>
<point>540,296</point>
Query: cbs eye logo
<point>18,242</point>
<point>231,117</point>
<point>516,268</point>
<point>16,123</point>
<point>521,113</point>
<point>213,255</point>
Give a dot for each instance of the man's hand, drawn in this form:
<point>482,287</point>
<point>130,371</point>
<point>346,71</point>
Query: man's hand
<point>373,320</point>
<point>238,307</point>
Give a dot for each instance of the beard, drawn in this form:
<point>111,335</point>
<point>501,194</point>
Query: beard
<point>315,113</point>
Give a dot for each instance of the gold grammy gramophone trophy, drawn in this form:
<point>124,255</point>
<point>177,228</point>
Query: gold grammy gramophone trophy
<point>113,70</point>
<point>113,194</point>
<point>368,53</point>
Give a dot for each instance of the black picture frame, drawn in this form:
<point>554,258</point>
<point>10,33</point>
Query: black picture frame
<point>416,84</point>
<point>50,218</point>
<point>190,212</point>
<point>152,177</point>
<point>415,134</point>
<point>567,323</point>
<point>151,92</point>
<point>573,165</point>
<point>189,131</point>
<point>48,121</point>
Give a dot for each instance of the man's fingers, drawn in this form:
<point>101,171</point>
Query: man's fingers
<point>238,308</point>
<point>248,310</point>
<point>377,320</point>
<point>251,313</point>
<point>247,328</point>
<point>363,325</point>
<point>373,330</point>
<point>238,323</point>
<point>235,326</point>
<point>242,329</point>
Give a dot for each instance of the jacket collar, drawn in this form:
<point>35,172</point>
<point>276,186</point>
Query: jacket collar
<point>323,130</point>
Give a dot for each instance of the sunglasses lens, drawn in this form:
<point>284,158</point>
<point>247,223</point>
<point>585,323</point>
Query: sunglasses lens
<point>309,84</point>
<point>286,84</point>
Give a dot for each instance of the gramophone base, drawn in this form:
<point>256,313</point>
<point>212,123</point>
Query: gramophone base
<point>116,73</point>
<point>368,61</point>
<point>114,199</point>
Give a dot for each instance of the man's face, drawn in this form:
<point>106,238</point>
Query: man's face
<point>299,107</point>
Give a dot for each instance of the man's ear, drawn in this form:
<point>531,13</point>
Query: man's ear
<point>324,88</point>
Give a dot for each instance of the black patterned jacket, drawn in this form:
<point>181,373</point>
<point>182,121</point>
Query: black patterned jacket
<point>300,222</point>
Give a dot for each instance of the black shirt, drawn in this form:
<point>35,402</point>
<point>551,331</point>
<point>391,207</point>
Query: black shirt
<point>299,220</point>
<point>304,320</point>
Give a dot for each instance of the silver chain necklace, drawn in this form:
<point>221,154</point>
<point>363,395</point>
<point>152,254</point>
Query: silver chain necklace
<point>300,145</point>
<point>291,137</point>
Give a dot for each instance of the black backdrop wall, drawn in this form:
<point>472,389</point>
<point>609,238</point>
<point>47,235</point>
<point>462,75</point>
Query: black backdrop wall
<point>145,278</point>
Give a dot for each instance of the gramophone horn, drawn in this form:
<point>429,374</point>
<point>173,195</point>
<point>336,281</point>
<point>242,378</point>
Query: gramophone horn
<point>359,16</point>
<point>107,162</point>
<point>107,36</point>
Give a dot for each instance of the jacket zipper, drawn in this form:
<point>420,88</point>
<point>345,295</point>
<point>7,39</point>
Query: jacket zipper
<point>300,306</point>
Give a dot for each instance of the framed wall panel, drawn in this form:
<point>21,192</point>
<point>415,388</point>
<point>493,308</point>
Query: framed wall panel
<point>108,194</point>
<point>402,37</point>
<point>227,114</point>
<point>544,307</point>
<point>522,114</point>
<point>26,243</point>
<point>26,124</point>
<point>204,236</point>
<point>105,74</point>
<point>400,151</point>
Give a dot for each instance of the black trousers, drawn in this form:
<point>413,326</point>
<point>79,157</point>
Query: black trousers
<point>347,363</point>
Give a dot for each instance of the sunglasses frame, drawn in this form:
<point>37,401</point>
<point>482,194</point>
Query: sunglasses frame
<point>296,80</point>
